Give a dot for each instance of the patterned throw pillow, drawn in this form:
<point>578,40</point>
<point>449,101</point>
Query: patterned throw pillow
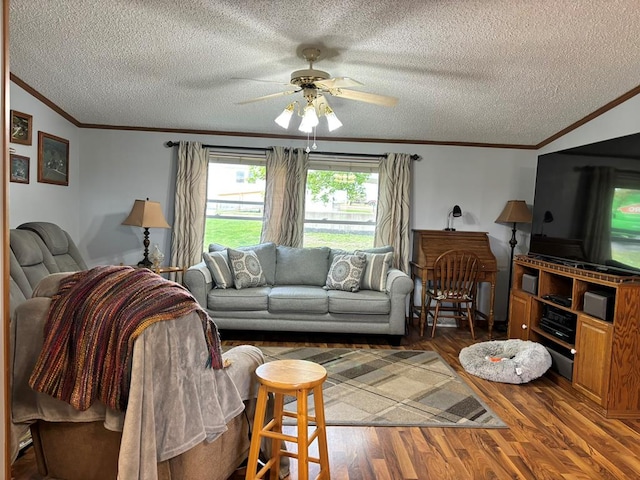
<point>219,268</point>
<point>375,273</point>
<point>345,272</point>
<point>246,268</point>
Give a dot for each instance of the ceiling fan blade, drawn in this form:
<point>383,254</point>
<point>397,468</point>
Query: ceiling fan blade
<point>266,97</point>
<point>338,82</point>
<point>260,80</point>
<point>365,97</point>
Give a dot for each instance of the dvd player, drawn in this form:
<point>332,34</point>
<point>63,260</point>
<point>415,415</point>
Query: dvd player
<point>559,316</point>
<point>559,299</point>
<point>558,330</point>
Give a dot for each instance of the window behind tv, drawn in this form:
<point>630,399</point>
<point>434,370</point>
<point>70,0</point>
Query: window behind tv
<point>587,205</point>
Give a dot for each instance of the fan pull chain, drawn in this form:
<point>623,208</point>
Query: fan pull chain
<point>314,146</point>
<point>307,149</point>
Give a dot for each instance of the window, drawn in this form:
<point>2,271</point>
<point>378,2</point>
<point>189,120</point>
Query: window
<point>340,201</point>
<point>235,201</point>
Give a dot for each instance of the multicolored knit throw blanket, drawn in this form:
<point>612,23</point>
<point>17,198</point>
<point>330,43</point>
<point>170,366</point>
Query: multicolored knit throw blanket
<point>93,322</point>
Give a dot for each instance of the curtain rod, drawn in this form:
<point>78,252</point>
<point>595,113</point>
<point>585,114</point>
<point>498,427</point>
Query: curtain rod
<point>175,144</point>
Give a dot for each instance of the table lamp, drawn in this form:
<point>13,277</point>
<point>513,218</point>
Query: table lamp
<point>514,212</point>
<point>146,214</point>
<point>455,212</point>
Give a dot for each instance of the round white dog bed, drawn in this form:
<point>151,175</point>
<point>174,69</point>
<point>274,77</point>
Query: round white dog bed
<point>507,361</point>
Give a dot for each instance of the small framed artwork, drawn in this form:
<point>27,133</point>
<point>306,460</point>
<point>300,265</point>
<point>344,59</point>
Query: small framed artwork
<point>20,127</point>
<point>53,159</point>
<point>19,169</point>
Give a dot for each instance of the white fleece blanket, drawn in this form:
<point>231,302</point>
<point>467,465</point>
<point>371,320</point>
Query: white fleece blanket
<point>174,402</point>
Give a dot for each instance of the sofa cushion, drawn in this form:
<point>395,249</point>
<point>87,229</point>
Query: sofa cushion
<point>246,269</point>
<point>375,272</point>
<point>345,272</point>
<point>218,265</point>
<point>266,253</point>
<point>302,266</point>
<point>298,299</point>
<point>367,302</point>
<point>340,251</point>
<point>245,299</point>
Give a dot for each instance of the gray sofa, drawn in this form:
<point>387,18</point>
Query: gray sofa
<point>295,298</point>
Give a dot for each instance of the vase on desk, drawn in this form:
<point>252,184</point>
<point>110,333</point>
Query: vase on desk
<point>157,257</point>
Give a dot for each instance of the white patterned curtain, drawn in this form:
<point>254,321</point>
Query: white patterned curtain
<point>283,221</point>
<point>392,218</point>
<point>190,206</point>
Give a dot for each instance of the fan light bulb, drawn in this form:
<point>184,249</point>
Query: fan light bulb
<point>285,117</point>
<point>332,120</point>
<point>309,119</point>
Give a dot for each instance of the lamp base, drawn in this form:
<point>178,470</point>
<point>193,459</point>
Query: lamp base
<point>449,229</point>
<point>145,262</point>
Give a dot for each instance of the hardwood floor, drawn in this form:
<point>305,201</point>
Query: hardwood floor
<point>553,433</point>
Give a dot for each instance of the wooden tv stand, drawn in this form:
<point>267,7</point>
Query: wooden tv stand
<point>603,363</point>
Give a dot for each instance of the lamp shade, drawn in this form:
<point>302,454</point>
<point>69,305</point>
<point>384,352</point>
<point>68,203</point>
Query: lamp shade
<point>515,211</point>
<point>457,211</point>
<point>146,214</point>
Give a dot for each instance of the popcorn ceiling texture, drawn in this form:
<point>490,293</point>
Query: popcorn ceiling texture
<point>488,71</point>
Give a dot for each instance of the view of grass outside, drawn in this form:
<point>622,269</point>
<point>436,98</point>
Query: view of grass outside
<point>340,206</point>
<point>236,233</point>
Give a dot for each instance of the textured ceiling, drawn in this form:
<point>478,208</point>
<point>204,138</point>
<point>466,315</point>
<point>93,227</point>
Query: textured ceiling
<point>487,71</point>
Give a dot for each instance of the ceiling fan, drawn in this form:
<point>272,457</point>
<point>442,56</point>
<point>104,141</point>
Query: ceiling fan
<point>315,83</point>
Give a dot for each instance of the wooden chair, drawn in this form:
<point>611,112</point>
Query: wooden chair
<point>455,275</point>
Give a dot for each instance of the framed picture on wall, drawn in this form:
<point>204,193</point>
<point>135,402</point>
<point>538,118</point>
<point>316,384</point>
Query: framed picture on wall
<point>19,169</point>
<point>53,159</point>
<point>21,127</point>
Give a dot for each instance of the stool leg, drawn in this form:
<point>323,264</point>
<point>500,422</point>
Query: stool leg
<point>258,424</point>
<point>303,434</point>
<point>276,444</point>
<point>322,433</point>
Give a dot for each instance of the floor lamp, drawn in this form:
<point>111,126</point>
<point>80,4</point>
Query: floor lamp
<point>514,212</point>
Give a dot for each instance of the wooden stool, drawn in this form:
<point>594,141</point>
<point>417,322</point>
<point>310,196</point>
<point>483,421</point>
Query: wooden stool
<point>297,378</point>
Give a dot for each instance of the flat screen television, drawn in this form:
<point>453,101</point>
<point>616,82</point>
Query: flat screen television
<point>586,210</point>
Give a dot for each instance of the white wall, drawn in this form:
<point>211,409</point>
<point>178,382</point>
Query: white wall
<point>37,201</point>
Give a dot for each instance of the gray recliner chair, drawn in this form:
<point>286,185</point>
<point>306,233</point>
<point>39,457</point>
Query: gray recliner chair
<point>30,262</point>
<point>64,251</point>
<point>19,287</point>
<point>32,257</point>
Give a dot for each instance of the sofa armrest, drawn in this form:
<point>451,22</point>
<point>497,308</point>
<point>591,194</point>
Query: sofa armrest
<point>398,282</point>
<point>399,285</point>
<point>198,281</point>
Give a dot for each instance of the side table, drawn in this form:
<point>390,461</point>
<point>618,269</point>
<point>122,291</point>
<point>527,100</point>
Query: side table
<point>161,270</point>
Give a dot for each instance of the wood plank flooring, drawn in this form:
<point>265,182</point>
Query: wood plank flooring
<point>553,433</point>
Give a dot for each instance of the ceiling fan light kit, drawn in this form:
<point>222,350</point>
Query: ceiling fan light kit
<point>309,119</point>
<point>285,117</point>
<point>314,84</point>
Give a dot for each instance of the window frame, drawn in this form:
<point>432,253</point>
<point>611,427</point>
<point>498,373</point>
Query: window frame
<point>317,161</point>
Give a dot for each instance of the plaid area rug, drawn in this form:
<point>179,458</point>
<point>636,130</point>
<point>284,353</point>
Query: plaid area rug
<point>383,387</point>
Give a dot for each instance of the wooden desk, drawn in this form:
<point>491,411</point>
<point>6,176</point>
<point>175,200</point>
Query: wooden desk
<point>429,244</point>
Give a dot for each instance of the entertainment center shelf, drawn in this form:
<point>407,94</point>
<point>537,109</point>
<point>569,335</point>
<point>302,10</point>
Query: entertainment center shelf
<point>589,321</point>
